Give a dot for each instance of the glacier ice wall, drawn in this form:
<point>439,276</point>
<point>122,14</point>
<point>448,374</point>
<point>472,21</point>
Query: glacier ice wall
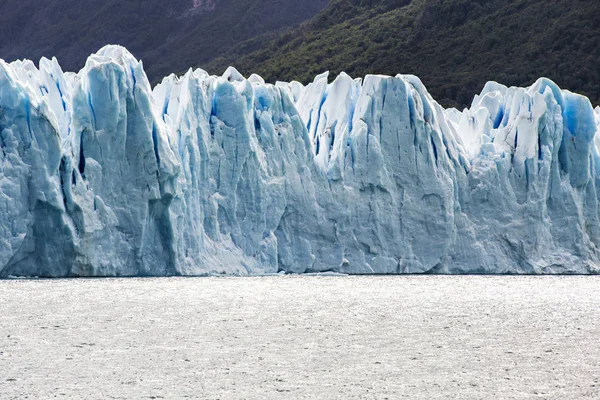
<point>101,175</point>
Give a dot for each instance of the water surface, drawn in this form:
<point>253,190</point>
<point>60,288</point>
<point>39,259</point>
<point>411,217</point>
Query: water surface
<point>431,337</point>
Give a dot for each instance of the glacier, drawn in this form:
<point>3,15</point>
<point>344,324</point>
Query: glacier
<point>103,175</point>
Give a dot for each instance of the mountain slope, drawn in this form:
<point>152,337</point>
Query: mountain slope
<point>454,46</point>
<point>168,35</point>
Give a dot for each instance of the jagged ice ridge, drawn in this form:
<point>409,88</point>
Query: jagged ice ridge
<point>100,175</point>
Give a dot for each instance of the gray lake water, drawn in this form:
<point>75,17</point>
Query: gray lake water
<point>432,337</point>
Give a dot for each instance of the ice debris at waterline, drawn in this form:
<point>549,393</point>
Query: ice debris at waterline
<point>100,175</point>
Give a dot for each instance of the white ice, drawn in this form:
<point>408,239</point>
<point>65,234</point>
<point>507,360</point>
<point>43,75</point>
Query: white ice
<point>101,175</point>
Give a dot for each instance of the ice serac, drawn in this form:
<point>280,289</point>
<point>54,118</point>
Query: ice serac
<point>33,227</point>
<point>101,175</point>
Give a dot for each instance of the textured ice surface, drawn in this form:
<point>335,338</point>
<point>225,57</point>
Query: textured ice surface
<point>100,175</point>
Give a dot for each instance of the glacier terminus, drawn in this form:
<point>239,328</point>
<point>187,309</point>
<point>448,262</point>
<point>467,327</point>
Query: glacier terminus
<point>103,175</point>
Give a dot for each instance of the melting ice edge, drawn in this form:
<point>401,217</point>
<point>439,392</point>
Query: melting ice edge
<point>100,175</point>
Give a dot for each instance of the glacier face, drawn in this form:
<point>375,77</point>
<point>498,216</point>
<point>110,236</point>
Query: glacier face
<point>101,175</point>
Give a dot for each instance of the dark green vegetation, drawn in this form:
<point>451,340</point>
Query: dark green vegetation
<point>168,35</point>
<point>454,46</point>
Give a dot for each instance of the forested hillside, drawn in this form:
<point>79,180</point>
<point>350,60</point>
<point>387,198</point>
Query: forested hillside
<point>168,35</point>
<point>454,46</point>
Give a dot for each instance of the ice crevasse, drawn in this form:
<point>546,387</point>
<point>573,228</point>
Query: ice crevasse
<point>101,175</point>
